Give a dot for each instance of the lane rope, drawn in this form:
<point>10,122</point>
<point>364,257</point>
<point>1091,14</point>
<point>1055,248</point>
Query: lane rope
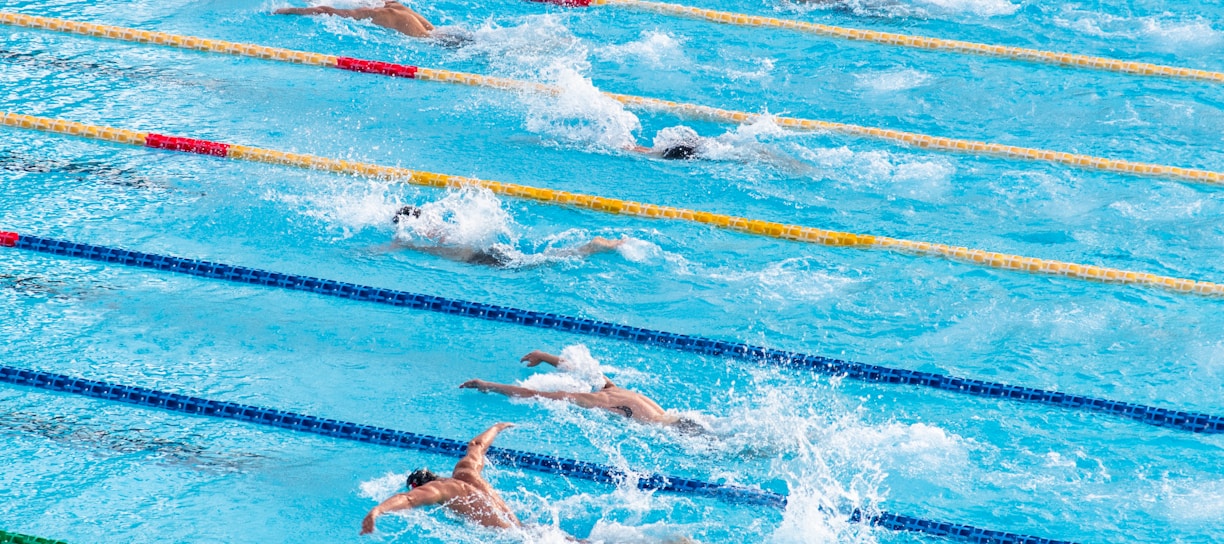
<point>685,110</point>
<point>976,257</point>
<point>174,402</point>
<point>1160,417</point>
<point>17,538</point>
<point>1071,60</point>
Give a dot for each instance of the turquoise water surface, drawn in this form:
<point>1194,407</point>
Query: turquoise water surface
<point>83,470</point>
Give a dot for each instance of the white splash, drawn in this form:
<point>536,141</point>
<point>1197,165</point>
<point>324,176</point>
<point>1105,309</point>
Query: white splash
<point>544,50</point>
<point>578,372</point>
<point>469,217</point>
<point>580,113</point>
<point>383,488</point>
<point>351,205</point>
<point>981,8</point>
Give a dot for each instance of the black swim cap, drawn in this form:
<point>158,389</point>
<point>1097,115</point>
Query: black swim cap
<point>406,210</point>
<point>419,477</point>
<point>680,152</point>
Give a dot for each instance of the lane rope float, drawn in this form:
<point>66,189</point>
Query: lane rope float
<point>1160,417</point>
<point>976,257</point>
<point>685,110</point>
<point>1071,60</point>
<point>174,402</point>
<point>17,538</point>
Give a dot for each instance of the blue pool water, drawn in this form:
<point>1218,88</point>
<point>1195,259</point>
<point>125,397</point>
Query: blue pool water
<point>88,471</point>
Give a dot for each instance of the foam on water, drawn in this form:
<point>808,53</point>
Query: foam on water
<point>942,9</point>
<point>980,8</point>
<point>892,80</point>
<point>1191,501</point>
<point>655,49</point>
<point>1161,32</point>
<point>923,178</point>
<point>801,278</point>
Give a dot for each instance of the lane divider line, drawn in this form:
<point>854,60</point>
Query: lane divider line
<point>1159,417</point>
<point>975,257</point>
<point>1070,60</point>
<point>17,538</point>
<point>174,402</point>
<point>680,109</point>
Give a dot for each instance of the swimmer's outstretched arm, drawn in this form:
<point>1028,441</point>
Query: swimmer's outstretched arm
<point>421,496</point>
<point>316,10</point>
<point>516,391</point>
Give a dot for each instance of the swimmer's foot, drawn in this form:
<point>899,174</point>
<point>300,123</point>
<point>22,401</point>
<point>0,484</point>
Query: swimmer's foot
<point>599,244</point>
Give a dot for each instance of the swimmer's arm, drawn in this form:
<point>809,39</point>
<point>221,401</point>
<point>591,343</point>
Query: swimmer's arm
<point>515,391</point>
<point>473,462</point>
<point>317,10</point>
<point>327,10</point>
<point>536,357</point>
<point>421,496</point>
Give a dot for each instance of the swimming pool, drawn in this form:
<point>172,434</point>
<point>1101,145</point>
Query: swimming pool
<point>85,470</point>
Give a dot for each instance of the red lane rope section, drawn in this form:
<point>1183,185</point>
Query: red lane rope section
<point>9,239</point>
<point>376,67</point>
<point>189,145</point>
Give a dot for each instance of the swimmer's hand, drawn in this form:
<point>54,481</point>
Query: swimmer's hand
<point>479,385</point>
<point>536,357</point>
<point>367,524</point>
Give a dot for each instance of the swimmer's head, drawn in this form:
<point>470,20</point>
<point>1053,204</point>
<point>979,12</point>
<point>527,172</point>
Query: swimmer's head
<point>681,152</point>
<point>677,143</point>
<point>420,477</point>
<point>406,212</point>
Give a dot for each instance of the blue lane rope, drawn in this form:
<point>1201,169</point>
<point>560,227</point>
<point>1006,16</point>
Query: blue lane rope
<point>1160,417</point>
<point>174,402</point>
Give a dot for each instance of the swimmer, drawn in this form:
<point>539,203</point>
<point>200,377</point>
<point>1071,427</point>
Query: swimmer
<point>683,143</point>
<point>610,397</point>
<point>392,15</point>
<point>497,255</point>
<point>681,152</point>
<point>673,144</point>
<point>466,492</point>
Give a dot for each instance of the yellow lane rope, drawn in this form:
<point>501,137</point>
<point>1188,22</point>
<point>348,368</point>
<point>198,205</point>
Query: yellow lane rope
<point>677,108</point>
<point>922,42</point>
<point>988,259</point>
